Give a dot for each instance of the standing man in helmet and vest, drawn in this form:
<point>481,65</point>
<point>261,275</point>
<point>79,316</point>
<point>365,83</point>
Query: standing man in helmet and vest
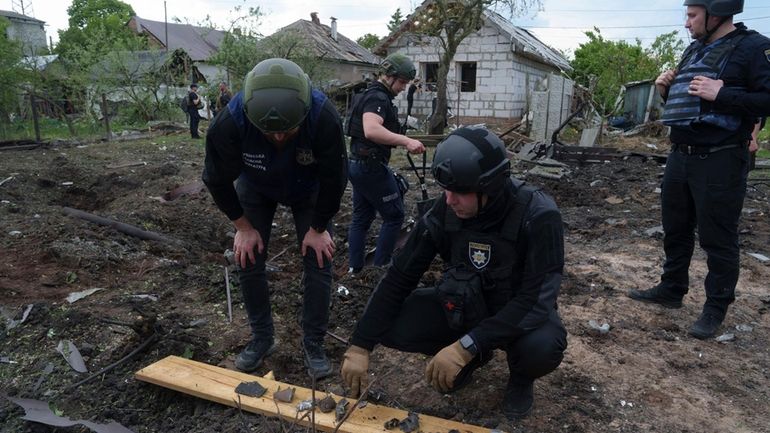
<point>283,143</point>
<point>374,131</point>
<point>713,101</point>
<point>502,246</point>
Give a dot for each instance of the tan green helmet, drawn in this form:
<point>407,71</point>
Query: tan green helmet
<point>276,95</point>
<point>398,65</point>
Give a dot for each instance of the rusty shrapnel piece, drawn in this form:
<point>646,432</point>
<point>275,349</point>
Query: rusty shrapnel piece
<point>284,395</point>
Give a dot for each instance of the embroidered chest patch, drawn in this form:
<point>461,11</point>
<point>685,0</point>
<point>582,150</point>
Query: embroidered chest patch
<point>767,55</point>
<point>305,157</point>
<point>479,254</point>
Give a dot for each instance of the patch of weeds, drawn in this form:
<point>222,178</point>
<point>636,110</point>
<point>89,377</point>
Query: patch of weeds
<point>71,277</point>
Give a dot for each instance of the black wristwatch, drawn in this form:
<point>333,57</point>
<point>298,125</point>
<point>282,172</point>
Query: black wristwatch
<point>468,344</point>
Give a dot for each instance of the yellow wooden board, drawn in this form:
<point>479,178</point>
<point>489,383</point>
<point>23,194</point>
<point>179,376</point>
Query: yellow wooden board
<point>218,384</point>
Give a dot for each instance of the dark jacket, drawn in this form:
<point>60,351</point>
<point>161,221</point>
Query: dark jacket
<point>533,284</point>
<point>313,162</point>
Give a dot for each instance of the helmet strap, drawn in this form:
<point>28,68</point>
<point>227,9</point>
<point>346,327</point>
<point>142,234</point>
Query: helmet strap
<point>709,33</point>
<point>388,83</point>
<point>479,197</point>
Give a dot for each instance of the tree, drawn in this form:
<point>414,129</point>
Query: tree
<point>395,21</point>
<point>10,72</point>
<point>243,47</point>
<point>98,25</point>
<point>604,66</point>
<point>449,22</point>
<point>368,40</point>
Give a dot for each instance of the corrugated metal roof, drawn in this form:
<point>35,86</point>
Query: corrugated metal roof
<point>319,37</point>
<point>200,43</point>
<point>18,16</point>
<point>528,44</point>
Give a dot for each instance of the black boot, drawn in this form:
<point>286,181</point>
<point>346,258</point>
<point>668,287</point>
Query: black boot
<point>253,354</point>
<point>519,398</point>
<point>318,365</point>
<point>707,325</point>
<point>657,295</point>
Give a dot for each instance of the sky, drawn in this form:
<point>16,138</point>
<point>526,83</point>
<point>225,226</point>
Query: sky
<point>560,23</point>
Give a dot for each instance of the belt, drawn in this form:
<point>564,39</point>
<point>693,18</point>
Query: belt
<point>701,150</point>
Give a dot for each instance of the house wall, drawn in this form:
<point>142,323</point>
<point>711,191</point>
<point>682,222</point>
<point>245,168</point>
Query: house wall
<point>30,34</point>
<point>350,72</point>
<point>503,79</point>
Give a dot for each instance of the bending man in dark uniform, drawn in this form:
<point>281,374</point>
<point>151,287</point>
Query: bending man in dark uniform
<point>713,100</point>
<point>283,142</point>
<point>502,246</point>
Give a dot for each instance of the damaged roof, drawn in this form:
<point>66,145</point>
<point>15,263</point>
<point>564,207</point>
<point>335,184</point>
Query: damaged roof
<point>19,17</point>
<point>524,43</point>
<point>320,40</point>
<point>200,43</point>
<point>527,44</point>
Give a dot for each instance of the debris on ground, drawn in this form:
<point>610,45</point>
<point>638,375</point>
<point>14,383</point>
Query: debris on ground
<point>250,389</point>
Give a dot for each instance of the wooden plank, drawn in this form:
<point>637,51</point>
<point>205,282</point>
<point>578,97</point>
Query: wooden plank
<point>218,384</point>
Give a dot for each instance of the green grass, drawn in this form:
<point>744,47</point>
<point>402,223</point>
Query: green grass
<point>51,129</point>
<point>764,134</point>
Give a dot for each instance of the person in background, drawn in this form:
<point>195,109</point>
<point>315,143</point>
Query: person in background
<point>223,98</point>
<point>192,109</point>
<point>374,130</point>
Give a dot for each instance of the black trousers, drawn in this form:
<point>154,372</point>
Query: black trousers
<point>195,118</point>
<point>704,192</point>
<point>316,282</point>
<point>422,327</point>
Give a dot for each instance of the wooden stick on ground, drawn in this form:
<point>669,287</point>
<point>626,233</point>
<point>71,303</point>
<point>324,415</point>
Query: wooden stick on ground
<point>119,226</point>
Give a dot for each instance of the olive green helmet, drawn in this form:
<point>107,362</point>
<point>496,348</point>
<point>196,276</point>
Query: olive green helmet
<point>718,8</point>
<point>276,95</point>
<point>398,65</point>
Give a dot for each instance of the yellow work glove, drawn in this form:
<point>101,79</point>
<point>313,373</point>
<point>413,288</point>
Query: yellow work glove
<point>355,365</point>
<point>446,365</point>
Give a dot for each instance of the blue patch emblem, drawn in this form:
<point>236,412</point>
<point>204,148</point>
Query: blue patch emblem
<point>479,254</point>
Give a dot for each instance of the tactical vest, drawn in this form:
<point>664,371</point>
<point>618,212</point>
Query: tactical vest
<point>359,144</point>
<point>683,109</point>
<point>290,173</point>
<point>488,262</point>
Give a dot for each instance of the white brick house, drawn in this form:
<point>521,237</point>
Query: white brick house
<point>492,76</point>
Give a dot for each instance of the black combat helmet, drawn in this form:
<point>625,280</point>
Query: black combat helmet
<point>398,65</point>
<point>718,8</point>
<point>471,159</point>
<point>276,95</point>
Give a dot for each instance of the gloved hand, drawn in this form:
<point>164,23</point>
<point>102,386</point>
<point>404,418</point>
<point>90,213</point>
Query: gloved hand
<point>444,367</point>
<point>355,365</point>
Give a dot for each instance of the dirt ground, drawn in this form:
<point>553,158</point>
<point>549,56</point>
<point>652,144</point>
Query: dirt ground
<point>645,375</point>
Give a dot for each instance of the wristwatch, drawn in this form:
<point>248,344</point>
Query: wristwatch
<point>468,344</point>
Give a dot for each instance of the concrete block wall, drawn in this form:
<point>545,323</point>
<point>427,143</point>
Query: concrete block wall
<point>504,80</point>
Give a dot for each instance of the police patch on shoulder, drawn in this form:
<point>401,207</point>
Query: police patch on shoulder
<point>479,254</point>
<point>305,157</point>
<point>767,55</point>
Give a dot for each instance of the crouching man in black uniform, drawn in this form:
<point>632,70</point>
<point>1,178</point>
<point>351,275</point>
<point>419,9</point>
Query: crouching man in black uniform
<point>503,250</point>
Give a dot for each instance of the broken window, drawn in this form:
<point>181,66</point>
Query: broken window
<point>467,76</point>
<point>430,74</point>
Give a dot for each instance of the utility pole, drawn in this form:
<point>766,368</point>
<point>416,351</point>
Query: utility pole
<point>165,22</point>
